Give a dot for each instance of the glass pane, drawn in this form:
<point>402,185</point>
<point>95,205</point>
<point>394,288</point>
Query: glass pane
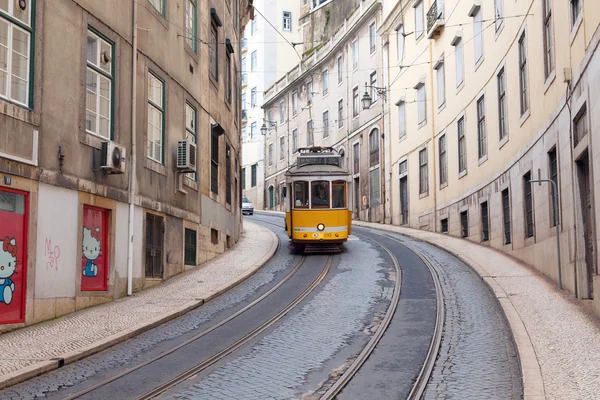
<point>4,5</point>
<point>106,50</point>
<point>92,49</point>
<point>157,152</point>
<point>149,146</point>
<point>320,194</point>
<point>339,195</point>
<point>104,127</point>
<point>90,121</point>
<point>19,90</point>
<point>22,16</point>
<point>104,87</point>
<point>3,34</point>
<point>3,78</point>
<point>104,108</point>
<point>19,66</point>
<point>300,192</point>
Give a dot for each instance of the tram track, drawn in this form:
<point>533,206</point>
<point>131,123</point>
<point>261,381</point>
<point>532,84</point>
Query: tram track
<point>223,353</point>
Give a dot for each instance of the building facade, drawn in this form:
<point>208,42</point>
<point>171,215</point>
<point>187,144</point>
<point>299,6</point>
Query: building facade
<point>98,195</point>
<point>485,97</point>
<point>318,103</point>
<point>265,56</point>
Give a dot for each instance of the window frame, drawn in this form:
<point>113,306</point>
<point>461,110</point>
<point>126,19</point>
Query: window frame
<point>310,137</point>
<point>499,14</point>
<point>162,10</point>
<point>192,41</point>
<point>97,70</point>
<point>374,147</point>
<point>506,217</point>
<point>191,132</point>
<point>423,172</point>
<point>485,221</point>
<point>528,206</point>
<point>372,38</point>
<point>340,69</point>
<point>214,162</point>
<point>253,127</point>
<point>459,60</point>
<point>281,112</point>
<point>355,55</point>
<point>481,128</point>
<point>253,60</point>
<point>311,192</point>
<point>253,97</point>
<point>421,105</point>
<point>340,113</point>
<point>419,20</point>
<point>355,103</point>
<point>553,175</point>
<point>443,159</point>
<point>548,37</point>
<point>502,104</point>
<point>294,140</point>
<point>523,74</point>
<point>214,53</point>
<point>401,108</point>
<point>281,147</point>
<point>400,43</point>
<point>441,83</point>
<point>464,223</point>
<point>228,85</point>
<point>162,110</point>
<point>253,173</point>
<point>307,189</point>
<point>325,82</point>
<point>462,145</point>
<point>344,185</point>
<point>270,154</point>
<point>289,20</point>
<point>325,124</point>
<point>373,83</point>
<point>295,102</point>
<point>188,247</point>
<point>575,7</point>
<point>478,36</point>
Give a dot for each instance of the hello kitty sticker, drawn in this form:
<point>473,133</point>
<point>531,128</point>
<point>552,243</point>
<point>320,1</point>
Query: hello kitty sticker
<point>8,267</point>
<point>93,249</point>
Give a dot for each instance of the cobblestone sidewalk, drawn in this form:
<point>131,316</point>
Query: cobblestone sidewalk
<point>38,348</point>
<point>557,340</point>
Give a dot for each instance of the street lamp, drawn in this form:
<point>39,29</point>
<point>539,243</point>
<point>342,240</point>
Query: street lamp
<point>367,100</point>
<point>263,128</point>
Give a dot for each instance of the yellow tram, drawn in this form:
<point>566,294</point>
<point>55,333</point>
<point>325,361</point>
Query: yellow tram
<point>317,215</point>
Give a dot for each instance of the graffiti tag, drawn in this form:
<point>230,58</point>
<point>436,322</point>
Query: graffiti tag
<point>53,255</point>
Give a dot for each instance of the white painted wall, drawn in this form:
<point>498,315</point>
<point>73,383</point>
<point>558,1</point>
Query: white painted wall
<point>57,233</point>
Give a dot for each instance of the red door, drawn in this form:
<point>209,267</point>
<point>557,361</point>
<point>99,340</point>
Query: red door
<point>94,255</point>
<point>13,255</point>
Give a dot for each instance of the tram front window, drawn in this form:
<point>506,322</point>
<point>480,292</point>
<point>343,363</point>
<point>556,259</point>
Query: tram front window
<point>339,194</point>
<point>301,194</point>
<point>320,194</point>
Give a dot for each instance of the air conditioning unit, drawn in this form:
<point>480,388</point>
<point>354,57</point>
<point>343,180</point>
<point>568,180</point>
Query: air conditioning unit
<point>112,158</point>
<point>186,156</point>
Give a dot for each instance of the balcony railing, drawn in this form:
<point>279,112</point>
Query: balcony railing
<point>435,19</point>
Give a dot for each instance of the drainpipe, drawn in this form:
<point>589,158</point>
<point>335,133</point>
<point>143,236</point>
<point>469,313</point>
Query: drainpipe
<point>132,168</point>
<point>433,158</point>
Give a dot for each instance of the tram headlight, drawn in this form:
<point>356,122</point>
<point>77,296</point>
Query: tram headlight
<point>320,227</point>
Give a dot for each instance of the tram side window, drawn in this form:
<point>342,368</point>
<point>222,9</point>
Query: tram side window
<point>339,194</point>
<point>320,194</point>
<point>301,194</point>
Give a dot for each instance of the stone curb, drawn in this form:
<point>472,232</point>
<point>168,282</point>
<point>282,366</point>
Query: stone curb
<point>533,383</point>
<point>44,366</point>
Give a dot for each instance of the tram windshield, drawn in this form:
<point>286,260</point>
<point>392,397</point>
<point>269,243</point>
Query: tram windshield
<point>320,194</point>
<point>339,194</point>
<point>301,194</point>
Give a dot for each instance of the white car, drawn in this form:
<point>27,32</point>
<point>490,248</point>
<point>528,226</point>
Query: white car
<point>247,206</point>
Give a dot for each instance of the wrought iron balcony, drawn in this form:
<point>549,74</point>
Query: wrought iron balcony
<point>435,19</point>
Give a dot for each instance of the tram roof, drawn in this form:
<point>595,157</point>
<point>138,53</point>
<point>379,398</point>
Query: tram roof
<point>317,161</point>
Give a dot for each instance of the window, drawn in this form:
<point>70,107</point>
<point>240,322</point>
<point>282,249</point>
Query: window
<point>190,130</point>
<point>444,225</point>
<point>356,157</point>
<point>548,38</point>
<point>282,112</point>
<point>319,194</point>
<point>300,194</point>
<point>355,102</point>
<point>270,154</point>
<point>374,187</point>
<point>244,74</point>
<point>462,146</point>
<point>214,52</point>
<point>403,167</point>
<point>325,82</point>
<point>421,105</point>
<point>340,113</point>
<point>459,60</point>
<point>400,42</point>
<point>228,77</point>
<point>214,163</point>
<point>294,140</point>
<point>580,126</point>
<point>310,139</point>
<point>253,175</point>
<point>159,5</point>
<point>338,189</point>
<point>253,27</point>
<point>287,21</point>
<point>282,147</point>
<point>528,199</point>
<point>355,54</point>
<point>372,38</point>
<point>443,160</point>
<point>423,172</point>
<point>243,178</point>
<point>99,77</point>
<point>325,124</point>
<point>244,134</point>
<point>478,35</point>
<point>499,13</point>
<point>506,216</point>
<point>253,97</point>
<point>481,133</point>
<point>553,174</point>
<point>309,92</point>
<point>340,67</point>
<point>464,223</point>
<point>419,18</point>
<point>253,127</point>
<point>575,11</point>
<point>524,95</point>
<point>441,84</point>
<point>156,118</point>
<point>253,61</point>
<point>485,222</point>
<point>190,247</point>
<point>228,174</point>
<point>401,119</point>
<point>342,154</point>
<point>374,147</point>
<point>373,83</point>
<point>191,29</point>
<point>502,106</point>
<point>294,102</point>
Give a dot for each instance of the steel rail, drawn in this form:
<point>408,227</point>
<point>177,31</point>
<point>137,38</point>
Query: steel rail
<point>337,387</point>
<point>192,339</point>
<point>220,355</point>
